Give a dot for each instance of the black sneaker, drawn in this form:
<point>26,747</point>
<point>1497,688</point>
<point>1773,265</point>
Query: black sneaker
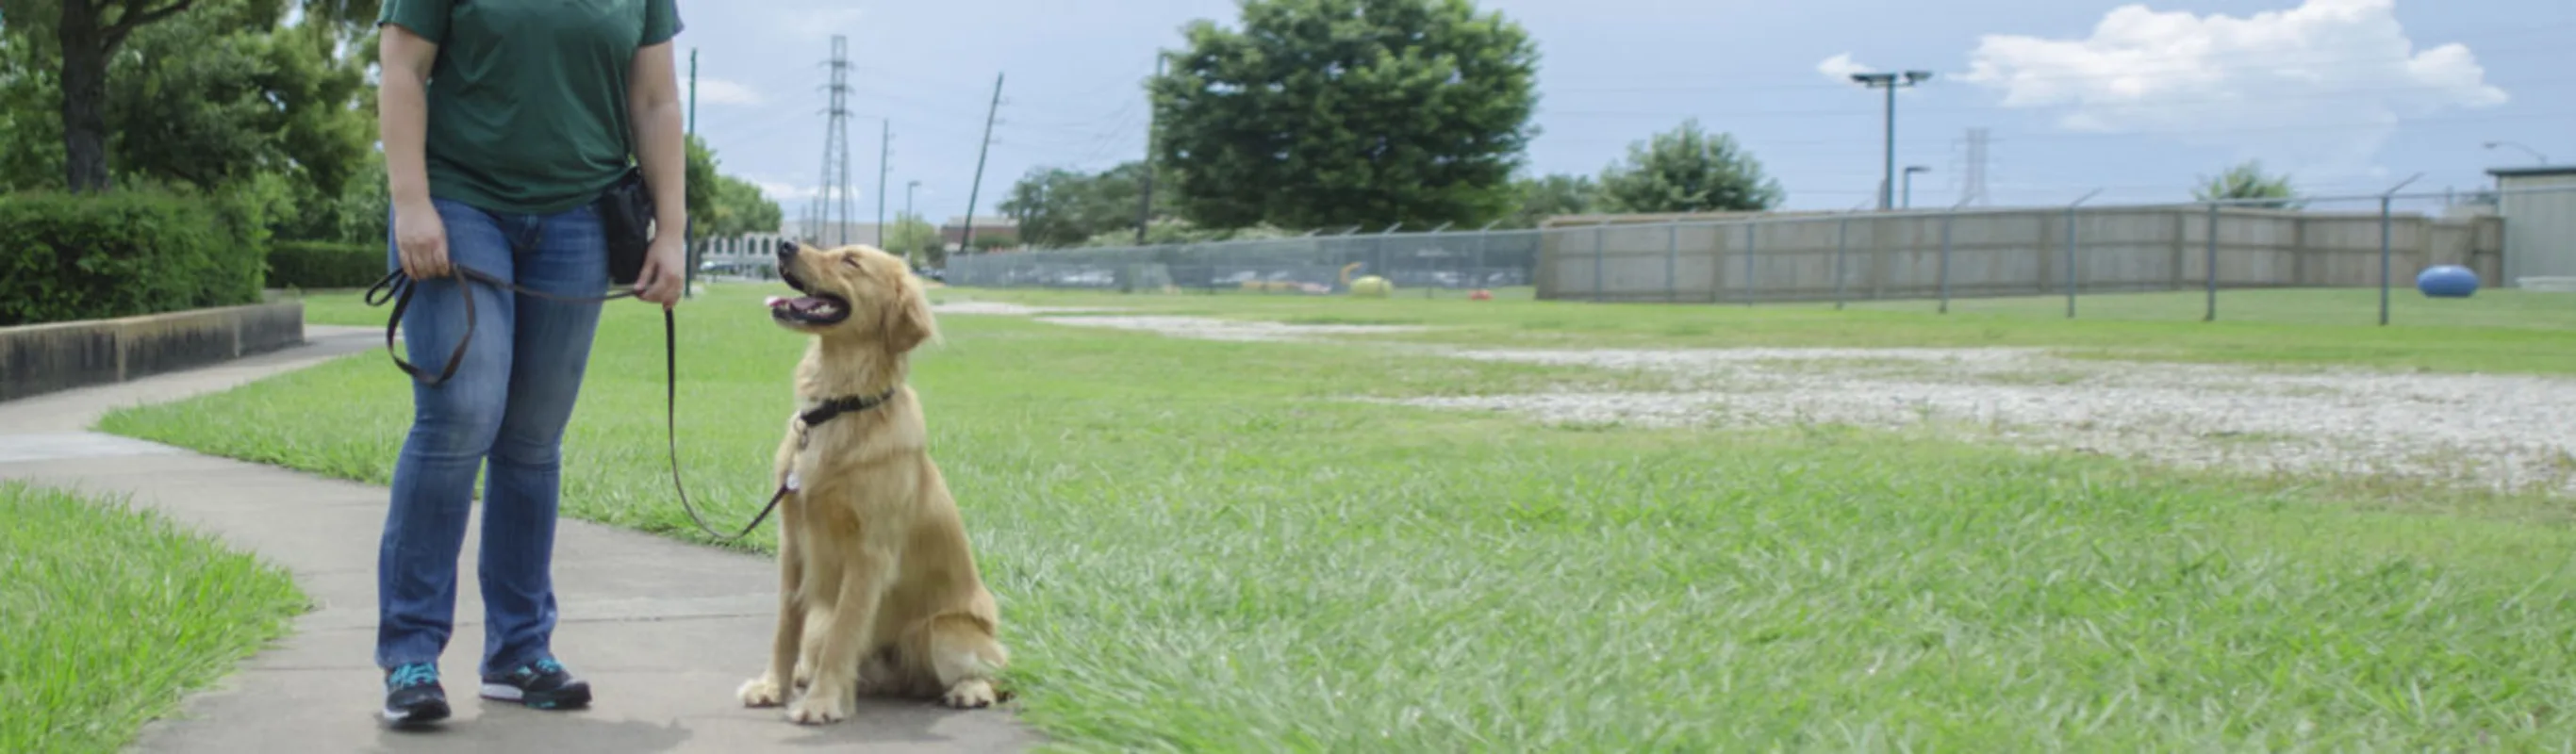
<point>413,696</point>
<point>543,684</point>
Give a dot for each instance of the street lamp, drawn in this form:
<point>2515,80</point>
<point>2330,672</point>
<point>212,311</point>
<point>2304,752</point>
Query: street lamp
<point>2535,154</point>
<point>1890,81</point>
<point>1910,170</point>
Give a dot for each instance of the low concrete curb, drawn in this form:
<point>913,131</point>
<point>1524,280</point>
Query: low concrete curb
<point>37,359</point>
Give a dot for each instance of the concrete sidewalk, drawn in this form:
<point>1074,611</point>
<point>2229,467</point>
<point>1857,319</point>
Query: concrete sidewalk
<point>664,631</point>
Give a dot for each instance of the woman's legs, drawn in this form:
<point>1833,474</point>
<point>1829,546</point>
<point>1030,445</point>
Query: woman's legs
<point>564,255</point>
<point>453,426</point>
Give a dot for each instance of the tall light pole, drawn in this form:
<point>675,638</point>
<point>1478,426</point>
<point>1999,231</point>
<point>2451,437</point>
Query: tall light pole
<point>1910,170</point>
<point>908,186</point>
<point>1890,81</point>
<point>2535,154</point>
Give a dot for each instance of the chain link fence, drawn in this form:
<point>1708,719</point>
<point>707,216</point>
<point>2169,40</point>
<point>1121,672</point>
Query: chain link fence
<point>1307,264</point>
<point>1932,255</point>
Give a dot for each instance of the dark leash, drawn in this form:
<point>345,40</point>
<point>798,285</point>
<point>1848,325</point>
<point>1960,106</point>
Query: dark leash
<point>398,287</point>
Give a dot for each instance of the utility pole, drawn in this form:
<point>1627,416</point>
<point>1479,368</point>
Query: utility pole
<point>1890,81</point>
<point>1145,205</point>
<point>836,148</point>
<point>966,242</point>
<point>885,150</point>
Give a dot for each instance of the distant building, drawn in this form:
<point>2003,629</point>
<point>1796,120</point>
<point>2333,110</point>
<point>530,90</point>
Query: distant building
<point>1006,229</point>
<point>2539,209</point>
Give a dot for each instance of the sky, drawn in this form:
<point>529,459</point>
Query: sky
<point>2137,101</point>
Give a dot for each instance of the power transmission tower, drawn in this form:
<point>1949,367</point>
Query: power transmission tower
<point>885,150</point>
<point>835,199</point>
<point>1974,190</point>
<point>966,243</point>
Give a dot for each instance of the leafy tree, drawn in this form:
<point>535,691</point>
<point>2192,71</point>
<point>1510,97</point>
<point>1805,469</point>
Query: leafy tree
<point>1552,195</point>
<point>1687,169</point>
<point>208,100</point>
<point>722,205</point>
<point>2247,181</point>
<point>741,208</point>
<point>1057,207</point>
<point>31,123</point>
<point>85,35</point>
<point>1338,112</point>
<point>918,240</point>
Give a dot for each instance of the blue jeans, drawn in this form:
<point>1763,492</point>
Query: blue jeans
<point>502,413</point>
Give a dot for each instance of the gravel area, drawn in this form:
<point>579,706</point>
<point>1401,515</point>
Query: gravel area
<point>1224,329</point>
<point>2503,432</point>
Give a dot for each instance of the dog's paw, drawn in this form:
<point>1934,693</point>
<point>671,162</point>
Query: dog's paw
<point>820,708</point>
<point>762,692</point>
<point>969,695</point>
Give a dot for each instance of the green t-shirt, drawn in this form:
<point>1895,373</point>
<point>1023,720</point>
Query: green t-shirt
<point>527,100</point>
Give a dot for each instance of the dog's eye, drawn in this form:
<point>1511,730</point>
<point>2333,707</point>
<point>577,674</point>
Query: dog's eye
<point>851,262</point>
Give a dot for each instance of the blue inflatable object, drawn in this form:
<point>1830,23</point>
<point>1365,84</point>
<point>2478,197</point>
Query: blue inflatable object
<point>2447,281</point>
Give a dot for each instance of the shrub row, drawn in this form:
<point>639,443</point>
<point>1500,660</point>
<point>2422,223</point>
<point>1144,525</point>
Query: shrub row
<point>124,253</point>
<point>311,264</point>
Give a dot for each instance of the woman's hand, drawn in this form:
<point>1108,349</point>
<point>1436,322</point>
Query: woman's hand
<point>665,266</point>
<point>421,238</point>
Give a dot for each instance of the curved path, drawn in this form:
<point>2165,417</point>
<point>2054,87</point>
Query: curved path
<point>664,630</point>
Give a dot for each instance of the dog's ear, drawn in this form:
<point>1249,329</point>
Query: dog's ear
<point>908,322</point>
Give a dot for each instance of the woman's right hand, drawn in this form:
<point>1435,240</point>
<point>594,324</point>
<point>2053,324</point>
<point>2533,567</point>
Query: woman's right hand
<point>421,238</point>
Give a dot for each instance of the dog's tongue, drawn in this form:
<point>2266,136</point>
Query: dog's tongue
<point>774,301</point>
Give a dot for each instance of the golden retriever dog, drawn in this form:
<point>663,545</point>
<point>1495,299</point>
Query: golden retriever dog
<point>878,590</point>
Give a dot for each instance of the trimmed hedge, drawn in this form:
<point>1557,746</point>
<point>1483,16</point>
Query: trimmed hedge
<point>119,254</point>
<point>320,264</point>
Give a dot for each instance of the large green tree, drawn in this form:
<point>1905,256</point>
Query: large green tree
<point>207,98</point>
<point>85,36</point>
<point>1687,169</point>
<point>1322,113</point>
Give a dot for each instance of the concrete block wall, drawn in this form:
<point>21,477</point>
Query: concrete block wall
<point>1991,253</point>
<point>37,359</point>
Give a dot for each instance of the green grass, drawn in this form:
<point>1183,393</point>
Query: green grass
<point>1198,546</point>
<point>109,615</point>
<point>2496,331</point>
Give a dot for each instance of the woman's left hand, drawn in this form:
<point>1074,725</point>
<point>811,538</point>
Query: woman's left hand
<point>663,278</point>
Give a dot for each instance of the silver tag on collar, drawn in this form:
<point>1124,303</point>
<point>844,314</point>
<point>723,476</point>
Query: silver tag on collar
<point>793,484</point>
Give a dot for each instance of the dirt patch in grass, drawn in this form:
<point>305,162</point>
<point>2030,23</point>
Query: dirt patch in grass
<point>2505,433</point>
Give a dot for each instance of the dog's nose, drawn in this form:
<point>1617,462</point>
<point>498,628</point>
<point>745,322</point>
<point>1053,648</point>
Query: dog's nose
<point>786,249</point>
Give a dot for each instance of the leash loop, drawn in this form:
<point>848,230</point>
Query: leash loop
<point>397,288</point>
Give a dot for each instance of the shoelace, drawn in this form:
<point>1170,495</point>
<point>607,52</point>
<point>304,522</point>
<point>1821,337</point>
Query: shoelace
<point>413,675</point>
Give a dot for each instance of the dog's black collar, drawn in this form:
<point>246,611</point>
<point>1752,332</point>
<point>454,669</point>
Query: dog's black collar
<point>845,405</point>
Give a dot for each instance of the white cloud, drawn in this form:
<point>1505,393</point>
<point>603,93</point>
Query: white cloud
<point>779,191</point>
<point>1841,67</point>
<point>723,92</point>
<point>810,21</point>
<point>2320,86</point>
